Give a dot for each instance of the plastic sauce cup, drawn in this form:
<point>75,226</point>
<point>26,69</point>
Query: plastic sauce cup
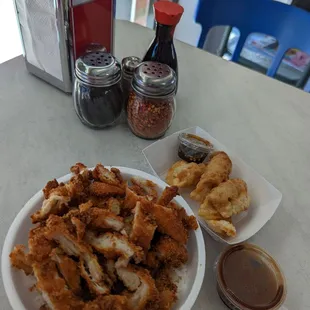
<point>248,278</point>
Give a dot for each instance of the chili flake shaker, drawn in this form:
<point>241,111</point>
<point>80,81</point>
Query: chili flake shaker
<point>151,103</point>
<point>98,96</point>
<point>129,64</point>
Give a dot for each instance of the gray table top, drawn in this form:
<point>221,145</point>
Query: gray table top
<point>264,121</point>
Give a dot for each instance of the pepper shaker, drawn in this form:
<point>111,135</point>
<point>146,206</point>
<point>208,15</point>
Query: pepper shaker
<point>98,95</point>
<point>151,103</point>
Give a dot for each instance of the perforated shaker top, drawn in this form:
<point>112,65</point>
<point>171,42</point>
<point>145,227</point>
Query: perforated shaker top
<point>154,79</point>
<point>98,69</point>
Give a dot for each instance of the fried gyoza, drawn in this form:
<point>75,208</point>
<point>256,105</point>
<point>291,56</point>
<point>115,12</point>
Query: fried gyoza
<point>183,174</point>
<point>229,198</point>
<point>222,227</point>
<point>217,171</point>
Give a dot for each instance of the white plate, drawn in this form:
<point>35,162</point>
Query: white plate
<point>17,285</point>
<point>265,198</point>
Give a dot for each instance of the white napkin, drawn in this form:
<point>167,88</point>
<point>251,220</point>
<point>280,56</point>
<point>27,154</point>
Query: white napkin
<point>40,35</point>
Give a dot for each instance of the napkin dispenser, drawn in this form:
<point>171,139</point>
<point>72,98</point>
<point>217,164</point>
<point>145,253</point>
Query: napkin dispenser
<point>55,33</point>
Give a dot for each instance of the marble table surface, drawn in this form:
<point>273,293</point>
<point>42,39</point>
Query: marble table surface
<point>266,122</point>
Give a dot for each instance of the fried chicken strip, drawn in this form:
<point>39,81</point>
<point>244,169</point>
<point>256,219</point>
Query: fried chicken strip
<point>143,227</point>
<point>149,188</point>
<point>103,190</point>
<point>114,245</point>
<point>170,252</point>
<point>21,260</point>
<point>168,222</point>
<point>104,175</point>
<point>167,195</point>
<point>140,281</point>
<point>91,271</point>
<point>53,288</point>
<point>217,171</point>
<point>183,174</point>
<point>68,268</point>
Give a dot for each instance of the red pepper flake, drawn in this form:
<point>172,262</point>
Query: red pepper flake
<point>149,117</point>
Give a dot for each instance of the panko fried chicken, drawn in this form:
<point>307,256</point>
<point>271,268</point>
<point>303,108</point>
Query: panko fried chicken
<point>217,171</point>
<point>143,227</point>
<point>183,174</point>
<point>101,244</point>
<point>167,195</point>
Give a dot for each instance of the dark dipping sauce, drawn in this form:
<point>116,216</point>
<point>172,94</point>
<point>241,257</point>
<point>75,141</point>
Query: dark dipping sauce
<point>249,278</point>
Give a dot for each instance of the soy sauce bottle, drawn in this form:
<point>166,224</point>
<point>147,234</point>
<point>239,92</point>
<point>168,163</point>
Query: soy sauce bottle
<point>167,15</point>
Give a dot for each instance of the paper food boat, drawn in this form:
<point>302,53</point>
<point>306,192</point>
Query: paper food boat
<point>265,198</point>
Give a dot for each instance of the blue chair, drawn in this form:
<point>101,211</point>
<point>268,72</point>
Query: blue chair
<point>288,24</point>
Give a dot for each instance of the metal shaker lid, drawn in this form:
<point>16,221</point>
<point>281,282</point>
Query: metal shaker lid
<point>129,64</point>
<point>98,69</point>
<point>154,79</point>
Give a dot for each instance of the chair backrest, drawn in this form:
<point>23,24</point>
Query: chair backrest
<point>288,24</point>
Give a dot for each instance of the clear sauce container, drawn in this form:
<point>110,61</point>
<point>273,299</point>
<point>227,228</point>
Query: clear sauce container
<point>151,103</point>
<point>249,279</point>
<point>193,148</point>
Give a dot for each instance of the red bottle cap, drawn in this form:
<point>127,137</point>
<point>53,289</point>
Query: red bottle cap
<point>168,13</point>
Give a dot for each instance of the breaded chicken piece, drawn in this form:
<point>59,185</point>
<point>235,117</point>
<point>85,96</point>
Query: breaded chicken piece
<point>189,221</point>
<point>217,171</point>
<point>131,198</point>
<point>56,203</point>
<point>149,188</point>
<point>68,268</point>
<point>86,205</point>
<point>110,302</point>
<point>183,174</point>
<point>145,292</point>
<point>223,227</point>
<point>53,288</point>
<point>103,190</point>
<point>100,173</point>
<point>229,198</point>
<point>20,260</point>
<point>114,205</point>
<point>80,227</point>
<point>167,195</point>
<point>91,271</point>
<point>143,227</point>
<point>114,245</point>
<point>104,219</point>
<point>167,289</point>
<point>129,277</point>
<point>168,222</point>
<point>49,186</point>
<point>170,252</point>
<point>39,246</point>
<point>78,168</point>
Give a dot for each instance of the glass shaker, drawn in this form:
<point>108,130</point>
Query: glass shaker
<point>151,103</point>
<point>98,95</point>
<point>129,65</point>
